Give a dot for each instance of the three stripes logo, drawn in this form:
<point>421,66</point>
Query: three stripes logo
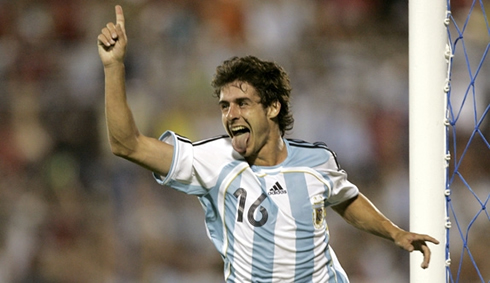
<point>277,190</point>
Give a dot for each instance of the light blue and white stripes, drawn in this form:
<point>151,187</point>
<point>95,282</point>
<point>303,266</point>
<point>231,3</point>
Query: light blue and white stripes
<point>262,219</point>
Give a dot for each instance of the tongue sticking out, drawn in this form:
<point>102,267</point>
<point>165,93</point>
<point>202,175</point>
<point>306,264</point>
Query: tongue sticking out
<point>240,142</point>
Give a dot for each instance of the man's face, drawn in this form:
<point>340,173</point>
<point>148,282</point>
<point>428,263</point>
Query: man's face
<point>244,118</point>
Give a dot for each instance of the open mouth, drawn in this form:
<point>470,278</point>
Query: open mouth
<point>240,136</point>
<point>239,130</point>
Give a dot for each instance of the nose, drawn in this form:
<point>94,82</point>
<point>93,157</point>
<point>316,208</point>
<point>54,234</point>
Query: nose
<point>233,112</point>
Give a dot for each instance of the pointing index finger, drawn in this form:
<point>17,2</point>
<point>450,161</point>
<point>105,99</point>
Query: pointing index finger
<point>119,16</point>
<point>430,239</point>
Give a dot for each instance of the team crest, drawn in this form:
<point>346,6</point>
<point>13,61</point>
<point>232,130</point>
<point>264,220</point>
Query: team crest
<point>319,212</point>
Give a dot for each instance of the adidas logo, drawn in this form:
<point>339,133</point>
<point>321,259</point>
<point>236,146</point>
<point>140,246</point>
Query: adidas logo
<point>277,190</point>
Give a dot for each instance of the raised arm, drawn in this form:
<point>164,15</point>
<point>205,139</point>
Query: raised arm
<point>125,139</point>
<point>362,214</point>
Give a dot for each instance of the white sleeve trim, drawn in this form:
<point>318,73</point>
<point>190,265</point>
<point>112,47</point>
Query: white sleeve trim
<point>170,138</point>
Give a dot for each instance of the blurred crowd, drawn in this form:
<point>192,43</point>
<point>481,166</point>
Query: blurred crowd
<point>72,212</point>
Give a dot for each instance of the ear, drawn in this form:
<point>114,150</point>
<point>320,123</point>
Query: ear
<point>274,109</point>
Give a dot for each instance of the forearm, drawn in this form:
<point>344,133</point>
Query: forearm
<point>362,214</point>
<point>121,127</point>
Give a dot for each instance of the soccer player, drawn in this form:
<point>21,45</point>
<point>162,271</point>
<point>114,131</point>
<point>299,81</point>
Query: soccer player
<point>264,196</point>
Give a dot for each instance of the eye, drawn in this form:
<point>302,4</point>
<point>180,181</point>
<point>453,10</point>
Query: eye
<point>224,106</point>
<point>242,103</point>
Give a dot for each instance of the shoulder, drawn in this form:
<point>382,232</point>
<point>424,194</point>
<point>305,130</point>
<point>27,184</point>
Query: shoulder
<point>217,140</point>
<point>315,152</point>
<point>306,144</point>
<point>298,144</point>
<point>218,147</point>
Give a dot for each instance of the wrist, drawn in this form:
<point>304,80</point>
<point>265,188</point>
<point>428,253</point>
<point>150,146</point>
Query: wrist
<point>114,65</point>
<point>392,231</point>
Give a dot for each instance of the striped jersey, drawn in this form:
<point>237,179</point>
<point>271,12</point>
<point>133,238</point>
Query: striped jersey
<point>268,223</point>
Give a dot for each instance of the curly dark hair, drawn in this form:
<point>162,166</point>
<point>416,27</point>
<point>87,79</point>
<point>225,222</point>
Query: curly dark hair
<point>268,78</point>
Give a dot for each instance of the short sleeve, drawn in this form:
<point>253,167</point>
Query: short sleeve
<point>341,188</point>
<point>195,166</point>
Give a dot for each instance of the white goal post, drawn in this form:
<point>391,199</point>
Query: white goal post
<point>427,132</point>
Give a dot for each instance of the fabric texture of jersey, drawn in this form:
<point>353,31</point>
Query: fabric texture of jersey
<point>268,223</point>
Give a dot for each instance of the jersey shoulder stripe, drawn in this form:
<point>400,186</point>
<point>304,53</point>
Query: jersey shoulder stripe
<point>318,144</point>
<point>201,142</point>
<point>182,138</point>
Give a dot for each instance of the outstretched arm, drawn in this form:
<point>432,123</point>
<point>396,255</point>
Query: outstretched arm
<point>125,139</point>
<point>362,214</point>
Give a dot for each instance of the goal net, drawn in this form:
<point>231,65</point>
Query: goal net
<point>468,142</point>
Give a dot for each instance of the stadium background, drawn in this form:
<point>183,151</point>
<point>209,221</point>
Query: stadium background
<point>72,212</point>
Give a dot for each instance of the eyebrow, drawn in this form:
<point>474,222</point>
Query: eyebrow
<point>236,100</point>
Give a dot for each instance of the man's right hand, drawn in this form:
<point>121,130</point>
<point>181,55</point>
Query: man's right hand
<point>112,41</point>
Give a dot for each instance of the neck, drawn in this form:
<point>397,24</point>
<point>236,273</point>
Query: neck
<point>270,155</point>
